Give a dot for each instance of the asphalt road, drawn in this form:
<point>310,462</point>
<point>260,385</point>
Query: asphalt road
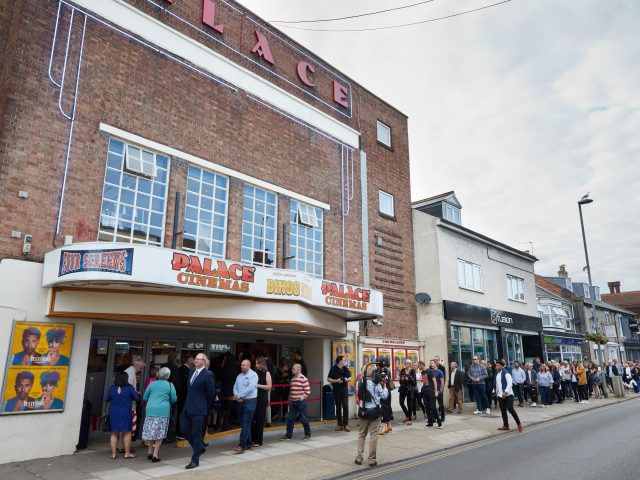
<point>602,444</point>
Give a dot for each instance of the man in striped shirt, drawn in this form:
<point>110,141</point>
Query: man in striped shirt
<point>298,393</point>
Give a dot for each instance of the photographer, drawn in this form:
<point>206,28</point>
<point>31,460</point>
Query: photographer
<point>372,391</point>
<point>407,385</point>
<point>339,377</point>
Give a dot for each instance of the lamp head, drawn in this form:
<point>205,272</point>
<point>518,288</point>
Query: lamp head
<point>585,199</point>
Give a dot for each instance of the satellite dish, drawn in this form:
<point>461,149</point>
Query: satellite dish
<point>422,298</point>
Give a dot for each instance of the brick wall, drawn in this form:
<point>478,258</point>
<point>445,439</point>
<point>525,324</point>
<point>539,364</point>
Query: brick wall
<point>127,85</point>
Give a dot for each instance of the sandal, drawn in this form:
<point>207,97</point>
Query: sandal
<point>129,456</point>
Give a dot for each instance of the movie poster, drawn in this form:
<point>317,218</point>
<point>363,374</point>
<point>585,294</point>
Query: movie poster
<point>399,357</point>
<point>369,355</point>
<point>414,356</point>
<point>347,350</point>
<point>384,354</point>
<point>37,368</point>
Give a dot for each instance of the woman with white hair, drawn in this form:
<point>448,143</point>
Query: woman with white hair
<point>160,395</point>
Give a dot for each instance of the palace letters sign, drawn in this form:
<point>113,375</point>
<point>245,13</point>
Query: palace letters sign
<point>146,265</point>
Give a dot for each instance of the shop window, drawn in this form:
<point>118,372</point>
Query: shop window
<point>469,275</point>
<point>305,242</point>
<point>515,288</point>
<point>384,134</point>
<point>133,204</point>
<point>259,214</point>
<point>205,213</point>
<point>386,204</point>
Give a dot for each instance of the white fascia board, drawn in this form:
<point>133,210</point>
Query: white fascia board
<point>201,162</point>
<point>162,36</point>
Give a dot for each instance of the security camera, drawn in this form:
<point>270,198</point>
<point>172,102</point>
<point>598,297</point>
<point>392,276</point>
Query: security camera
<point>376,321</point>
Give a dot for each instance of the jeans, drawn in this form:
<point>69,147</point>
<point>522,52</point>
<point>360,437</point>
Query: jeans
<point>245,415</point>
<point>518,391</point>
<point>545,395</point>
<point>506,404</point>
<point>298,407</point>
<point>532,392</point>
<point>342,407</point>
<point>406,397</point>
<point>480,394</point>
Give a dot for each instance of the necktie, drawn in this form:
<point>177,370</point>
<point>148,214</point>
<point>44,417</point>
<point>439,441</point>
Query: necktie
<point>193,377</point>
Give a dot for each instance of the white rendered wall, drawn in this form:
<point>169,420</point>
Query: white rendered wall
<point>23,298</point>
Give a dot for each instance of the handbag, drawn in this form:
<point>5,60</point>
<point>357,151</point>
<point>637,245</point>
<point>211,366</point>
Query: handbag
<point>369,413</point>
<point>105,423</point>
<point>391,384</point>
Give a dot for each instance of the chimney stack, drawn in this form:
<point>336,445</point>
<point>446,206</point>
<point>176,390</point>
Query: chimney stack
<point>614,287</point>
<point>562,273</point>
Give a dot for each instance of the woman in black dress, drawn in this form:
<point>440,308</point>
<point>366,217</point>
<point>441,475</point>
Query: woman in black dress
<point>259,416</point>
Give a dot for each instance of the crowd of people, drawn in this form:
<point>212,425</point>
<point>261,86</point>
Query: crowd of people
<point>185,400</point>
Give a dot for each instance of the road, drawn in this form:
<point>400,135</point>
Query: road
<point>595,445</point>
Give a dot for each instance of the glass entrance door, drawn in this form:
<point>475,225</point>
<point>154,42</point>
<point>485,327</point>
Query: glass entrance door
<point>94,386</point>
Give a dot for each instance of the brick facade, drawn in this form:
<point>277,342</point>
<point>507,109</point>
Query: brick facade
<point>129,86</point>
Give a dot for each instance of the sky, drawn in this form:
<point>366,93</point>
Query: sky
<point>521,108</point>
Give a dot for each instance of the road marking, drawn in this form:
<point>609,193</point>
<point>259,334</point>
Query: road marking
<point>477,444</point>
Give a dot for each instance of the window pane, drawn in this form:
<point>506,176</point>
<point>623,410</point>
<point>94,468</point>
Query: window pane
<point>255,217</point>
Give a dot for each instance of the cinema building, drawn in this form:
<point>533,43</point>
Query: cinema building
<point>181,176</point>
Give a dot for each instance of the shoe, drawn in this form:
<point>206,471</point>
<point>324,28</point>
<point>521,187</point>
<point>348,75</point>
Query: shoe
<point>459,412</point>
<point>520,405</point>
<point>534,404</point>
<point>307,437</point>
<point>520,427</point>
<point>440,426</point>
<point>504,428</point>
<point>155,460</point>
<point>282,439</point>
<point>206,444</point>
<point>191,465</point>
<point>449,411</point>
<point>238,450</point>
<point>149,456</point>
<point>256,445</point>
<point>586,402</point>
<point>429,425</point>
<point>477,412</point>
<point>127,457</point>
<point>389,428</point>
<point>357,461</point>
<point>382,431</point>
<point>373,464</point>
<point>408,423</point>
<point>488,411</point>
<point>337,429</point>
<point>346,428</point>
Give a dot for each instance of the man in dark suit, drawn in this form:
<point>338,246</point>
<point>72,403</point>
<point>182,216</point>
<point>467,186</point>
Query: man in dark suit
<point>184,371</point>
<point>201,393</point>
<point>455,382</point>
<point>531,383</point>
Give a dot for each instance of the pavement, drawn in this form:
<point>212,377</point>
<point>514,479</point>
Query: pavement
<point>328,454</point>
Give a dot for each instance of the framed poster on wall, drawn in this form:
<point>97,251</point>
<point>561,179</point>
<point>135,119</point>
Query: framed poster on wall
<point>399,357</point>
<point>37,370</point>
<point>346,349</point>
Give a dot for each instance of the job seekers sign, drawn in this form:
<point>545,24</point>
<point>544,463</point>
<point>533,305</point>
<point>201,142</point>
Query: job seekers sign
<point>145,265</point>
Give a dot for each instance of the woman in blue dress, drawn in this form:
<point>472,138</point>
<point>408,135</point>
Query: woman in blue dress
<point>46,401</point>
<point>120,396</point>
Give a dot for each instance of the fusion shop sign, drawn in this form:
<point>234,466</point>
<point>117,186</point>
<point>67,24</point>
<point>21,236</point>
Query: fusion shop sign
<point>146,265</point>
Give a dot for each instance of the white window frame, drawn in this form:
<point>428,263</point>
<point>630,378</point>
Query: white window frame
<point>140,161</point>
<point>387,196</point>
<point>515,288</point>
<point>474,271</point>
<point>307,215</point>
<point>545,312</point>
<point>585,289</point>
<point>452,214</point>
<point>381,130</point>
<point>254,231</point>
<point>306,244</point>
<point>569,320</point>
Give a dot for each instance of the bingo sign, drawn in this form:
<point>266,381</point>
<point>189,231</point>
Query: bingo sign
<point>113,261</point>
<point>37,369</point>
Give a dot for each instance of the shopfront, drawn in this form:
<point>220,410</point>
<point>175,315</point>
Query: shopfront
<point>563,348</point>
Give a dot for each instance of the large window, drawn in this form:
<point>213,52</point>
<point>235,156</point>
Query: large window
<point>469,275</point>
<point>305,242</point>
<point>555,317</point>
<point>515,288</point>
<point>205,216</point>
<point>134,195</point>
<point>452,214</point>
<point>259,226</point>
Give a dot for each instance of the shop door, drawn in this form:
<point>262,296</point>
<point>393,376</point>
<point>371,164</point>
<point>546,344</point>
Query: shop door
<point>125,352</point>
<point>97,367</point>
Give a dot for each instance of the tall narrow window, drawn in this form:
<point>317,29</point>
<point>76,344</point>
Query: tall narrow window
<point>386,205</point>
<point>515,288</point>
<point>134,195</point>
<point>384,133</point>
<point>205,213</point>
<point>259,226</point>
<point>305,242</point>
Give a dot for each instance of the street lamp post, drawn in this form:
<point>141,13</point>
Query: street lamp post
<point>584,201</point>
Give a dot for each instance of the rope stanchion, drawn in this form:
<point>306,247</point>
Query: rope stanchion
<point>288,385</point>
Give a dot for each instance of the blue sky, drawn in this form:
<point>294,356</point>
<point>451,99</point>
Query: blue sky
<point>520,108</point>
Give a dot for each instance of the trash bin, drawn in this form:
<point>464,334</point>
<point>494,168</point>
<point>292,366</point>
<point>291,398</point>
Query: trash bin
<point>618,388</point>
<point>85,419</point>
<point>328,403</point>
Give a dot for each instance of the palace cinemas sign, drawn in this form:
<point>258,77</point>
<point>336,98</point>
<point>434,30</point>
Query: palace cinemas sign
<point>463,312</point>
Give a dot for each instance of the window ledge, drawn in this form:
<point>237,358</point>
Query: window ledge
<point>515,300</point>
<point>384,145</point>
<point>470,289</point>
<point>387,216</point>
